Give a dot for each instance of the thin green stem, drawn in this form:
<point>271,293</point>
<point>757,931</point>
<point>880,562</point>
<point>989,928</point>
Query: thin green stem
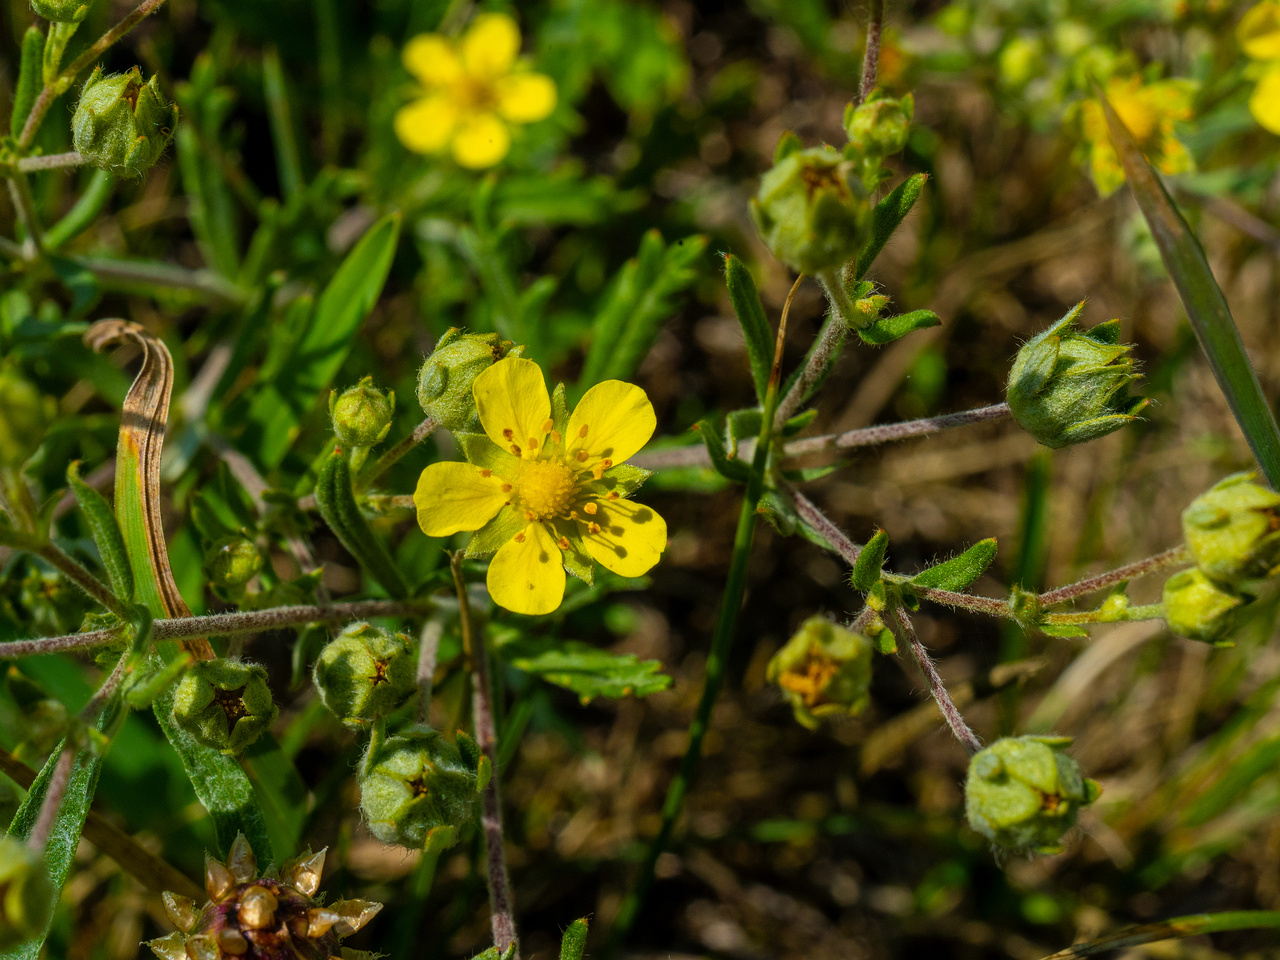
<point>722,640</point>
<point>82,578</point>
<point>393,456</point>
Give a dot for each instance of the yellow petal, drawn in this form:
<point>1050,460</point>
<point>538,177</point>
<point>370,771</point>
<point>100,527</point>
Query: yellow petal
<point>630,539</point>
<point>1259,31</point>
<point>453,496</point>
<point>612,421</point>
<point>514,406</point>
<point>526,97</point>
<point>431,59</point>
<point>490,45</point>
<point>1265,102</point>
<point>481,141</point>
<point>426,125</point>
<point>527,574</point>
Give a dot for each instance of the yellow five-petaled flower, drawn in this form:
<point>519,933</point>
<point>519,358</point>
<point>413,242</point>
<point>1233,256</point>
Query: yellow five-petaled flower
<point>1150,112</point>
<point>1259,36</point>
<point>546,489</point>
<point>473,89</point>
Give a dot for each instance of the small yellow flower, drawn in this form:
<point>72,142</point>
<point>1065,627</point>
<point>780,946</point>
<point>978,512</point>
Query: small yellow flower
<point>545,488</point>
<point>1149,112</point>
<point>1259,36</point>
<point>473,89</point>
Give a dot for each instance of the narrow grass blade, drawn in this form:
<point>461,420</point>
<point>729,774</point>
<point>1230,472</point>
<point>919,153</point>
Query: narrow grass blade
<point>1202,297</point>
<point>1176,929</point>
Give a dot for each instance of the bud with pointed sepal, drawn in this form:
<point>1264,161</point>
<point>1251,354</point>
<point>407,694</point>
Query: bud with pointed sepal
<point>26,893</point>
<point>445,380</point>
<point>122,123</point>
<point>261,917</point>
<point>1071,386</point>
<point>62,11</point>
<point>225,704</point>
<point>880,126</point>
<point>1233,529</point>
<point>361,414</point>
<point>416,782</point>
<point>1198,608</point>
<point>366,672</point>
<point>824,670</point>
<point>1023,793</point>
<point>232,562</point>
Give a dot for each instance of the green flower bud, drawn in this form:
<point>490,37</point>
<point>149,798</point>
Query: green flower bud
<point>26,894</point>
<point>880,126</point>
<point>811,210</point>
<point>25,416</point>
<point>231,562</point>
<point>362,414</point>
<point>1069,386</point>
<point>1233,530</point>
<point>62,11</point>
<point>414,783</point>
<point>444,382</point>
<point>224,704</point>
<point>122,124</point>
<point>823,670</point>
<point>1197,608</point>
<point>366,672</point>
<point>1023,793</point>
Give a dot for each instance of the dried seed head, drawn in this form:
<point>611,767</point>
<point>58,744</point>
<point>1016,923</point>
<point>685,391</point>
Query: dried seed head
<point>181,910</point>
<point>218,880</point>
<point>303,873</point>
<point>241,861</point>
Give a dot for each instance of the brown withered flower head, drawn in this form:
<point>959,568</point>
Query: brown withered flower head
<point>262,917</point>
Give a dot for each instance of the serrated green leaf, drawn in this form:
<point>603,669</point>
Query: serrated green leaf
<point>755,324</point>
<point>1206,307</point>
<point>866,572</point>
<point>958,572</point>
<point>105,531</point>
<point>888,329</point>
<point>888,215</point>
<point>586,670</point>
<point>278,409</point>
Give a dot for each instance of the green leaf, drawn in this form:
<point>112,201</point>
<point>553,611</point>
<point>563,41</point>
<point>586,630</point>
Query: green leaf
<point>105,531</point>
<point>281,793</point>
<point>1201,296</point>
<point>806,474</point>
<point>888,329</point>
<point>279,408</point>
<point>720,460</point>
<point>337,505</point>
<point>755,325</point>
<point>586,670</point>
<point>29,79</point>
<point>958,572</point>
<point>866,572</point>
<point>64,837</point>
<point>887,216</point>
<point>219,783</point>
<point>209,205</point>
<point>84,212</point>
<point>574,941</point>
<point>288,163</point>
<point>640,300</point>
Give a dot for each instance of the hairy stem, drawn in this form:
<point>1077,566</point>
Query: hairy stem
<point>871,56</point>
<point>164,275</point>
<point>500,902</point>
<point>824,349</point>
<point>950,712</point>
<point>428,651</point>
<point>392,456</point>
<point>52,162</point>
<point>51,90</point>
<point>82,578</point>
<point>52,798</point>
<point>225,624</point>
<point>886,433</point>
<point>1140,568</point>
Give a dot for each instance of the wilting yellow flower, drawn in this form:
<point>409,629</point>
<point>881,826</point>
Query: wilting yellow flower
<point>473,89</point>
<point>1149,112</point>
<point>545,488</point>
<point>1259,36</point>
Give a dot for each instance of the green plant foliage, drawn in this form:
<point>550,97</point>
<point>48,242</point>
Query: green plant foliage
<point>587,671</point>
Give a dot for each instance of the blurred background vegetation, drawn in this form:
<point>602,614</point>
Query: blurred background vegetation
<point>846,843</point>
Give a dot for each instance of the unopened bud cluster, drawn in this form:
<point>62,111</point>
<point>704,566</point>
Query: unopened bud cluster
<point>1069,385</point>
<point>824,670</point>
<point>446,377</point>
<point>1023,793</point>
<point>813,208</point>
<point>270,917</point>
<point>225,704</point>
<point>122,123</point>
<point>366,672</point>
<point>1232,532</point>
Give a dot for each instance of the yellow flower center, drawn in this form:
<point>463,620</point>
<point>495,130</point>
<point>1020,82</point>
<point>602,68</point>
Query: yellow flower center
<point>547,489</point>
<point>474,94</point>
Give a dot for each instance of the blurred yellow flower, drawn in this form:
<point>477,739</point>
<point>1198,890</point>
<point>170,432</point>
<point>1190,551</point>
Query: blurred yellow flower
<point>1259,36</point>
<point>1149,111</point>
<point>473,89</point>
<point>545,488</point>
